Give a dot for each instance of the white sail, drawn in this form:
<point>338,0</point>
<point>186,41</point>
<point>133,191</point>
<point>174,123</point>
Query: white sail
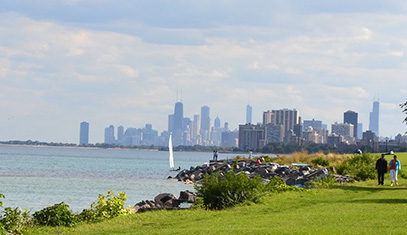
<point>171,152</point>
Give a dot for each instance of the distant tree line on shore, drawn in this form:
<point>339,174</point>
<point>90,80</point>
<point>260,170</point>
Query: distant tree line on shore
<point>274,148</point>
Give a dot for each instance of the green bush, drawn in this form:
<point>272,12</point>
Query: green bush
<point>107,206</point>
<point>362,167</point>
<point>320,161</point>
<point>14,220</point>
<point>277,185</point>
<point>1,202</point>
<point>402,174</point>
<point>219,192</point>
<point>56,215</point>
<point>324,182</point>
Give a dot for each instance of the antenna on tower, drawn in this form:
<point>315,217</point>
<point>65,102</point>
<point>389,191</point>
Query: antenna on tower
<point>176,100</point>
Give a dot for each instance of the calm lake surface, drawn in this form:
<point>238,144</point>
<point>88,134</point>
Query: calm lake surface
<point>37,177</point>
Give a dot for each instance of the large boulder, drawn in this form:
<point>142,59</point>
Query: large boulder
<point>146,206</point>
<point>187,196</point>
<point>165,199</point>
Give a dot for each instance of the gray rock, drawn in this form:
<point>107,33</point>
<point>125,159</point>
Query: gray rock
<point>163,198</point>
<point>187,196</point>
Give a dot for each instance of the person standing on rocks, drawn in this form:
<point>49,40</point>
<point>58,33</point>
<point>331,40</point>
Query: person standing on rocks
<point>394,166</point>
<point>381,167</point>
<point>215,155</point>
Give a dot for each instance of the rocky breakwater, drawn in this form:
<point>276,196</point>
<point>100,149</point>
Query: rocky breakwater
<point>167,201</point>
<point>294,174</point>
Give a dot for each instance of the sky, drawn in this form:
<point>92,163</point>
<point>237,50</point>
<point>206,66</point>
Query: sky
<point>117,62</point>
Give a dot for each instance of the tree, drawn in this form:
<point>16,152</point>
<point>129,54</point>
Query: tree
<point>404,107</point>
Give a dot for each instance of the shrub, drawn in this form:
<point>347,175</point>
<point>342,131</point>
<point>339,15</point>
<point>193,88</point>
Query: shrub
<point>107,206</point>
<point>323,182</point>
<point>362,167</point>
<point>14,220</point>
<point>277,185</point>
<point>56,215</point>
<point>219,192</point>
<point>320,161</point>
<point>402,174</point>
<point>1,202</point>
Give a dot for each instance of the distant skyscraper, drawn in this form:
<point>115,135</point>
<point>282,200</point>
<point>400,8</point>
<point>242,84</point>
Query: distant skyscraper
<point>216,123</point>
<point>315,124</point>
<point>195,128</point>
<point>120,133</point>
<point>252,137</point>
<point>109,135</point>
<point>205,123</point>
<point>84,134</point>
<point>249,114</point>
<point>374,118</point>
<point>286,117</point>
<point>170,123</point>
<point>351,117</point>
<point>343,129</point>
<point>177,126</point>
<point>267,117</point>
<point>178,116</point>
<point>360,130</point>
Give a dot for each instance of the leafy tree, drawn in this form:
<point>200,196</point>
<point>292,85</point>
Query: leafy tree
<point>404,108</point>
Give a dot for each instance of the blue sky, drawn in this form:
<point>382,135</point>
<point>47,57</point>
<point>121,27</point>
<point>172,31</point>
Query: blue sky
<point>122,62</point>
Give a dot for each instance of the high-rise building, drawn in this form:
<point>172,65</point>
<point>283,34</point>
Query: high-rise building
<point>315,124</point>
<point>84,134</point>
<point>170,122</point>
<point>268,117</point>
<point>352,118</point>
<point>286,117</point>
<point>374,118</point>
<point>109,135</point>
<point>120,134</point>
<point>177,127</point>
<point>230,139</point>
<point>252,137</point>
<point>205,124</point>
<point>343,129</point>
<point>178,116</point>
<point>274,133</point>
<point>249,110</point>
<point>216,123</point>
<point>360,130</point>
<point>195,129</point>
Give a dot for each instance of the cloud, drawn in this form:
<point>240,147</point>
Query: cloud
<point>126,67</point>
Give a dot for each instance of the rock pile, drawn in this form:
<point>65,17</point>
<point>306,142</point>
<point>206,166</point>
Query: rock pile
<point>295,174</point>
<point>167,201</point>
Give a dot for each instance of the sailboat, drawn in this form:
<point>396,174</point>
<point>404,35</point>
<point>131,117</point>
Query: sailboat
<point>171,157</point>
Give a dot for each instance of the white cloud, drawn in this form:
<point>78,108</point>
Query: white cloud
<point>128,72</point>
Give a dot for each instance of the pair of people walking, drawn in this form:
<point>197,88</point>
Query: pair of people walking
<point>382,168</point>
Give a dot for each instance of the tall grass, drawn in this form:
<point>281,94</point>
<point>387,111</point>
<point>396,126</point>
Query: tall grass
<point>304,157</point>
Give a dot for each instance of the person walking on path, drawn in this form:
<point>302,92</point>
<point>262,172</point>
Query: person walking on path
<point>394,166</point>
<point>381,167</point>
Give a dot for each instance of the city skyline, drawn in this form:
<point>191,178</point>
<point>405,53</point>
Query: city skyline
<point>68,62</point>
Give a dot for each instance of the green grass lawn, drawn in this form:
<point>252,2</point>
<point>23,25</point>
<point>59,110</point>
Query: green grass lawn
<point>360,208</point>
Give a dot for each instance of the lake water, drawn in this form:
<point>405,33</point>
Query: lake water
<point>37,177</point>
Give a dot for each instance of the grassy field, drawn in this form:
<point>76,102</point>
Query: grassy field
<point>360,208</point>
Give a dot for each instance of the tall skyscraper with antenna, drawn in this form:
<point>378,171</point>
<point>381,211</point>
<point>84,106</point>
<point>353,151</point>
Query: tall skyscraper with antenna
<point>177,123</point>
<point>374,118</point>
<point>249,114</point>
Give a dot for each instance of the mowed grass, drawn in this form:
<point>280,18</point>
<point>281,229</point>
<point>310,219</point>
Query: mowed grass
<point>360,208</point>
